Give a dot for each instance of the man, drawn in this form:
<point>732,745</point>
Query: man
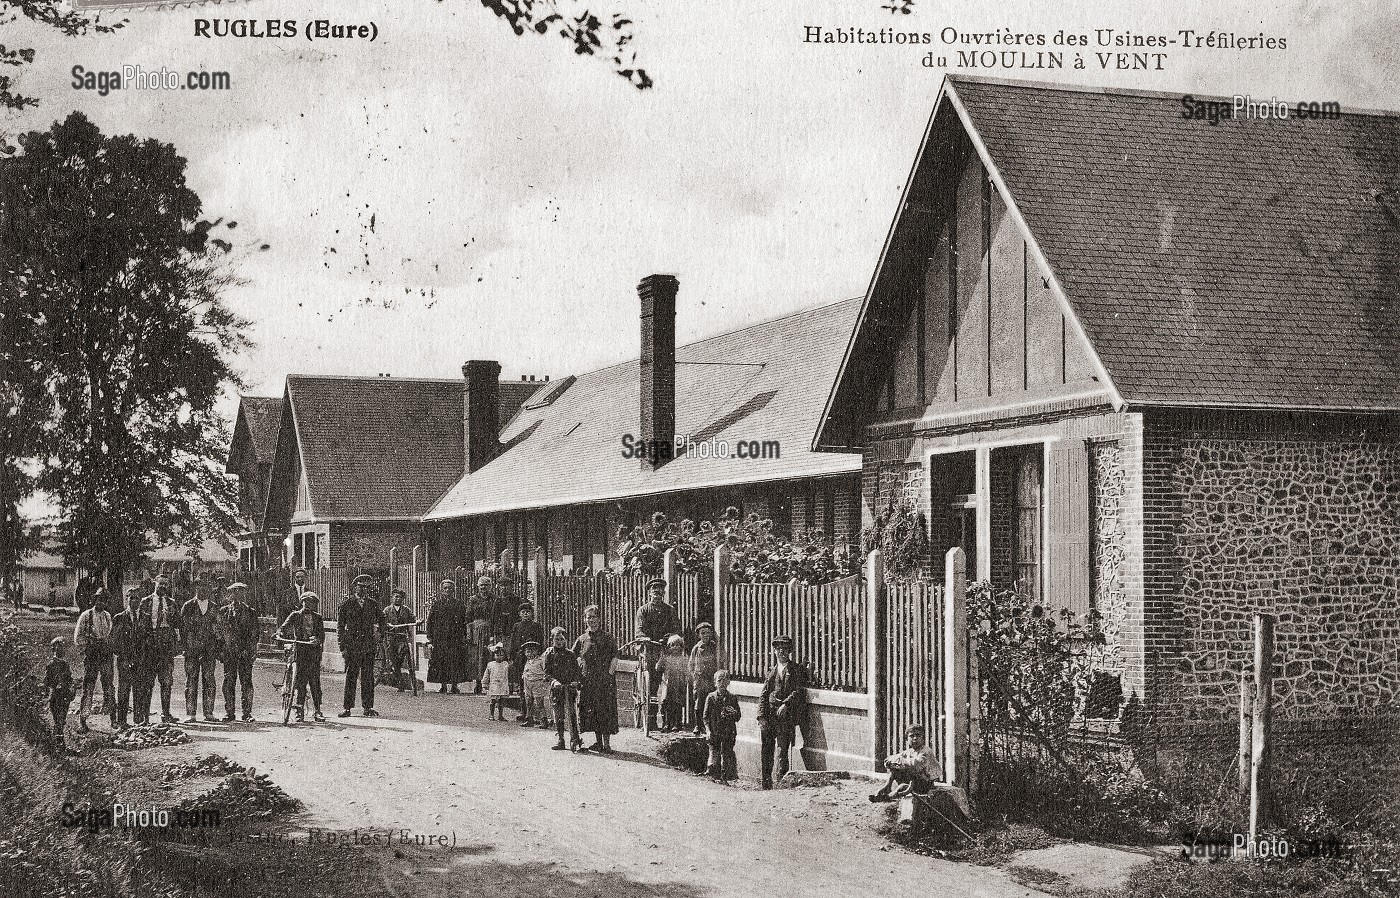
<point>128,642</point>
<point>93,637</point>
<point>782,708</point>
<point>360,626</point>
<point>656,620</point>
<point>308,628</point>
<point>448,633</point>
<point>161,618</point>
<point>291,600</point>
<point>200,640</point>
<point>398,625</point>
<point>481,630</point>
<point>238,631</point>
<point>527,629</point>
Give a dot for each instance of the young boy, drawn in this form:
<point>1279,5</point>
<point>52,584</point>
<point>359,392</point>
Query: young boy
<point>58,684</point>
<point>535,687</point>
<point>704,662</point>
<point>722,722</point>
<point>496,682</point>
<point>565,677</point>
<point>913,770</point>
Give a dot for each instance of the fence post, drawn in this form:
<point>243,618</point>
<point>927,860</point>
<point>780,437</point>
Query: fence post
<point>1263,724</point>
<point>538,567</point>
<point>669,574</point>
<point>1246,725</point>
<point>505,559</point>
<point>719,582</point>
<point>955,670</point>
<point>393,567</point>
<point>414,560</point>
<point>875,654</point>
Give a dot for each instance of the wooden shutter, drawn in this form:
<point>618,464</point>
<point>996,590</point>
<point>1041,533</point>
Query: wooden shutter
<point>1067,527</point>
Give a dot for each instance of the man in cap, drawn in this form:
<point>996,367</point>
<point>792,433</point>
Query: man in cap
<point>238,632</point>
<point>200,641</point>
<point>398,627</point>
<point>656,621</point>
<point>782,708</point>
<point>308,628</point>
<point>359,626</point>
<point>93,637</point>
<point>128,645</point>
<point>290,600</point>
<point>161,617</point>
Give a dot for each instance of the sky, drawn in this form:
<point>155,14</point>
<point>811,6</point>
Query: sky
<point>451,191</point>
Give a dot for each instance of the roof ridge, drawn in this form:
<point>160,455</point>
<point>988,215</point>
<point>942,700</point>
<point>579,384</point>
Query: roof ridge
<point>1130,92</point>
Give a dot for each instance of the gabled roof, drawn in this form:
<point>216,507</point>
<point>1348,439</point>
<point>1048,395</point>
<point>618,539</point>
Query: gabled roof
<point>255,432</point>
<point>1245,264</point>
<point>764,382</point>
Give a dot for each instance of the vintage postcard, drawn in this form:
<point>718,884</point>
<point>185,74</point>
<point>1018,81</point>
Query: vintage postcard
<point>632,448</point>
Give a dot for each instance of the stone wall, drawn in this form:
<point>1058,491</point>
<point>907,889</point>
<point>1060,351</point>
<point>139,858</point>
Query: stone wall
<point>1292,517</point>
<point>1108,504</point>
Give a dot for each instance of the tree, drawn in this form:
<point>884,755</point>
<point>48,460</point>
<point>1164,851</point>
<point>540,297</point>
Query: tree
<point>47,12</point>
<point>120,340</point>
<point>585,31</point>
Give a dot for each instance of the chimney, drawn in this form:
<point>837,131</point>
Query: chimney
<point>481,423</point>
<point>658,365</point>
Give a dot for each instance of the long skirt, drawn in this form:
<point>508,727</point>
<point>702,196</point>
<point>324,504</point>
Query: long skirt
<point>448,663</point>
<point>597,706</point>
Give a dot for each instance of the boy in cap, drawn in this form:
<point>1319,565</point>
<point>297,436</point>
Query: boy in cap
<point>782,708</point>
<point>398,627</point>
<point>58,685</point>
<point>913,770</point>
<point>721,714</point>
<point>527,629</point>
<point>535,686</point>
<point>565,678</point>
<point>308,628</point>
<point>704,662</point>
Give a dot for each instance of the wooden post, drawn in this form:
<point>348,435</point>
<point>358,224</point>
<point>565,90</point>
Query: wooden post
<point>393,567</point>
<point>719,582</point>
<point>955,692</point>
<point>505,559</point>
<point>1263,724</point>
<point>414,560</point>
<point>1246,725</point>
<point>875,655</point>
<point>669,572</point>
<point>539,566</point>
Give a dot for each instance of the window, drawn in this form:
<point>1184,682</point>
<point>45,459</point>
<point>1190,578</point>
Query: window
<point>1026,516</point>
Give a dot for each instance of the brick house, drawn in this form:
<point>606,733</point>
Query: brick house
<point>558,477</point>
<point>251,451</point>
<point>1136,363</point>
<point>356,463</point>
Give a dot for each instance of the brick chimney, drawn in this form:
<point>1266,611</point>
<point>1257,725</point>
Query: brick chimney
<point>658,364</point>
<point>481,403</point>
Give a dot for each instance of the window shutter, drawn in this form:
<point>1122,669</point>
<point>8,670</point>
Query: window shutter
<point>1067,519</point>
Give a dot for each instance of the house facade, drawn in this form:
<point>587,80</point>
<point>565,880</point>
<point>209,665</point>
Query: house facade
<point>1148,369</point>
<point>566,473</point>
<point>250,457</point>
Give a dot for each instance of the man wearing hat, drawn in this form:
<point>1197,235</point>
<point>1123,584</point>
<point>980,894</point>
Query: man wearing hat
<point>656,620</point>
<point>398,625</point>
<point>238,631</point>
<point>782,708</point>
<point>127,642</point>
<point>201,644</point>
<point>308,628</point>
<point>527,629</point>
<point>161,617</point>
<point>359,626</point>
<point>93,637</point>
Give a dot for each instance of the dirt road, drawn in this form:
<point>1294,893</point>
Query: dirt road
<point>505,815</point>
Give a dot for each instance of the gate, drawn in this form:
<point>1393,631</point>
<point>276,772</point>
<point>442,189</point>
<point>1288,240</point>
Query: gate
<point>915,668</point>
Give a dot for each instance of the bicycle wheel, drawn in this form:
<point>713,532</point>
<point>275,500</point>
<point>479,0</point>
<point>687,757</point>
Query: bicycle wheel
<point>288,690</point>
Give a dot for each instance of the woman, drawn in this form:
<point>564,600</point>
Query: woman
<point>597,701</point>
<point>447,639</point>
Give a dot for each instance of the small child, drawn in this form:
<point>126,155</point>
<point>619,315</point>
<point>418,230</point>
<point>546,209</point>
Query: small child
<point>913,770</point>
<point>496,683</point>
<point>536,687</point>
<point>674,668</point>
<point>704,661</point>
<point>58,683</point>
<point>722,721</point>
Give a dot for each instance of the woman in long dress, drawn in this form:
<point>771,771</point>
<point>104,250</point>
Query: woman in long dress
<point>447,639</point>
<point>597,700</point>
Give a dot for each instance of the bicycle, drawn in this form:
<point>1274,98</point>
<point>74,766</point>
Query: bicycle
<point>644,705</point>
<point>412,651</point>
<point>289,675</point>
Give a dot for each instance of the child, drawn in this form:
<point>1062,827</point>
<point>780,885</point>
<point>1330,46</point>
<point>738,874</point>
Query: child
<point>704,661</point>
<point>722,721</point>
<point>564,676</point>
<point>913,770</point>
<point>496,682</point>
<point>535,687</point>
<point>58,683</point>
<point>673,668</point>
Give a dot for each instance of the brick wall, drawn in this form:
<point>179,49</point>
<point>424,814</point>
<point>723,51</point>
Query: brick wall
<point>1292,517</point>
<point>368,545</point>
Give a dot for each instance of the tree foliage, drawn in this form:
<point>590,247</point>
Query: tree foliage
<point>45,12</point>
<point>900,533</point>
<point>757,553</point>
<point>118,340</point>
<point>588,34</point>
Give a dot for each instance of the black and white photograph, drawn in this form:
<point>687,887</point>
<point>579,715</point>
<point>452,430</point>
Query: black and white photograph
<point>634,448</point>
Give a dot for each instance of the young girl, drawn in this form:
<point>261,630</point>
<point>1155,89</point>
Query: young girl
<point>496,683</point>
<point>674,669</point>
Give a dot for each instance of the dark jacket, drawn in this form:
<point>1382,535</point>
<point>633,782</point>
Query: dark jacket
<point>163,637</point>
<point>404,615</point>
<point>562,665</point>
<point>305,624</point>
<point>703,664</point>
<point>359,626</point>
<point>526,631</point>
<point>718,724</point>
<point>238,630</point>
<point>127,640</point>
<point>198,634</point>
<point>784,697</point>
<point>657,621</point>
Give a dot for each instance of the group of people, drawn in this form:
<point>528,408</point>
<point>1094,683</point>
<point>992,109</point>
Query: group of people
<point>137,645</point>
<point>560,685</point>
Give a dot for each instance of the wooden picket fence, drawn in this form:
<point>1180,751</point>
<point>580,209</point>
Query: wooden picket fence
<point>561,598</point>
<point>915,663</point>
<point>827,624</point>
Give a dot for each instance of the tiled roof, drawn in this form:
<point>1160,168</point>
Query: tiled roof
<point>765,382</point>
<point>263,415</point>
<point>382,447</point>
<point>1247,263</point>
